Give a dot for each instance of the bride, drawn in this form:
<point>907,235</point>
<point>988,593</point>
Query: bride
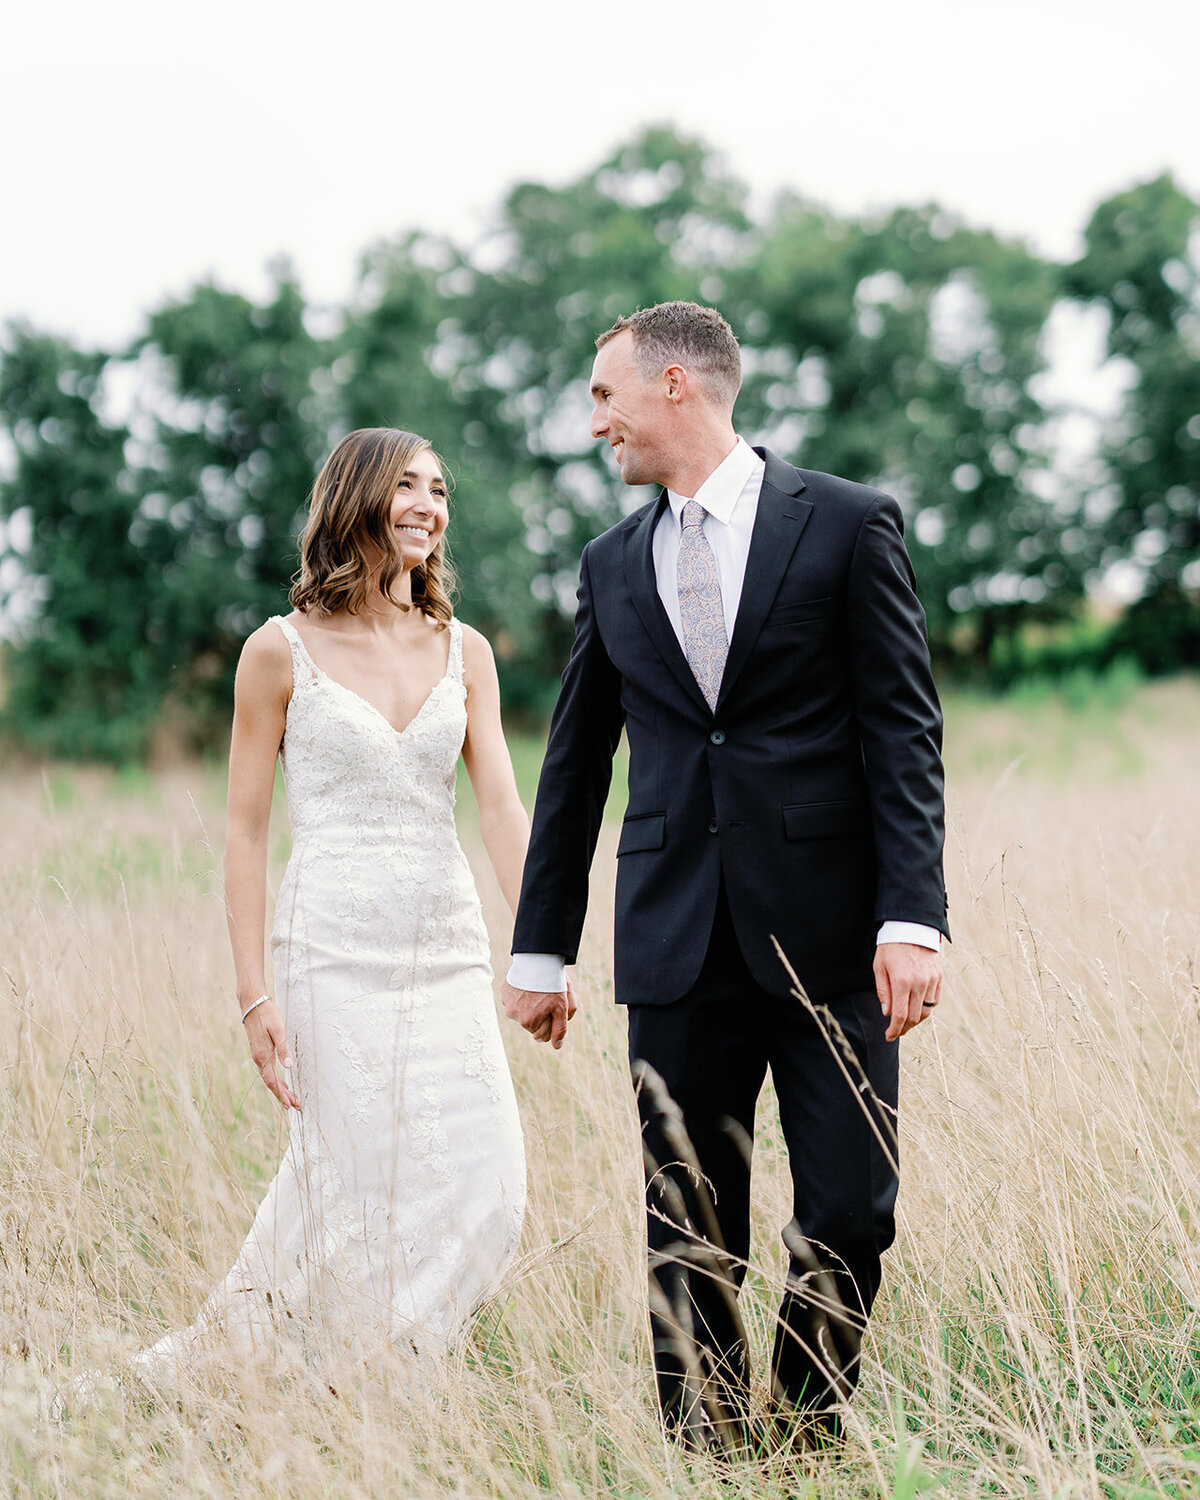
<point>399,1200</point>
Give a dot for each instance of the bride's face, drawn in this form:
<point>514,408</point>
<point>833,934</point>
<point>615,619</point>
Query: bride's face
<point>420,509</point>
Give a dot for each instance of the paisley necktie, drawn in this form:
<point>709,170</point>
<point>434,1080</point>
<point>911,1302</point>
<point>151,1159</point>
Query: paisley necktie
<point>705,643</point>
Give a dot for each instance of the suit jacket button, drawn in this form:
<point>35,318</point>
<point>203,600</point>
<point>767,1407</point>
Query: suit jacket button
<point>714,826</point>
<point>717,737</point>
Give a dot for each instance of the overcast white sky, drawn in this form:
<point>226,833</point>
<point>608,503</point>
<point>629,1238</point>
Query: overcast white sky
<point>146,145</point>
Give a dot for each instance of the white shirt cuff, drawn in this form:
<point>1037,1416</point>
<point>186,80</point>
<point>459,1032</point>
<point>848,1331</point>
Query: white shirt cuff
<point>910,932</point>
<point>543,973</point>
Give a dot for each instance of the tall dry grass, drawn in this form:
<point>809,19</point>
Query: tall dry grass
<point>1037,1334</point>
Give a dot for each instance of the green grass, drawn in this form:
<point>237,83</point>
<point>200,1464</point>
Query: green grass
<point>1038,1332</point>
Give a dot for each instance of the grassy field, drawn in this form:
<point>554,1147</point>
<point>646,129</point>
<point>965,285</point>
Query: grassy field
<point>1037,1335</point>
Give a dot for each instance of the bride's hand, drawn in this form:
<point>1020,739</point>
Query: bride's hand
<point>269,1050</point>
<point>572,1007</point>
<point>544,1033</point>
<point>543,1013</point>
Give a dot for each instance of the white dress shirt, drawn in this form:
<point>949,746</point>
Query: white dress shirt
<point>730,496</point>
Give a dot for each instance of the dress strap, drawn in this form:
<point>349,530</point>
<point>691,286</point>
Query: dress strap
<point>290,633</point>
<point>454,666</point>
<point>302,663</point>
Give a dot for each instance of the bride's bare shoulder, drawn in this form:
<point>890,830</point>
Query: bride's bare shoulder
<point>473,640</point>
<point>266,656</point>
<point>479,664</point>
<point>477,648</point>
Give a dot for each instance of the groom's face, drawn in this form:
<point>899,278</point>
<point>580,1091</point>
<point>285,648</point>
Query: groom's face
<point>628,411</point>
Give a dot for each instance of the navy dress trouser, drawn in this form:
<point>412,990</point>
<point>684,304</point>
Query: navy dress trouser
<point>711,1050</point>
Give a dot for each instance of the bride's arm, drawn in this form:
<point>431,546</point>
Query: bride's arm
<point>502,819</point>
<point>260,698</point>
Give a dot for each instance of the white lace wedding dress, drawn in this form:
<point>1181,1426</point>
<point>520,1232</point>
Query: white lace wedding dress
<point>399,1201</point>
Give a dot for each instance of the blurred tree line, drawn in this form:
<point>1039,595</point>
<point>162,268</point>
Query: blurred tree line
<point>152,495</point>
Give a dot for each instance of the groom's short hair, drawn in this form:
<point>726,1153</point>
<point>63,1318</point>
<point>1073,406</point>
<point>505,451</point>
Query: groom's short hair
<point>684,333</point>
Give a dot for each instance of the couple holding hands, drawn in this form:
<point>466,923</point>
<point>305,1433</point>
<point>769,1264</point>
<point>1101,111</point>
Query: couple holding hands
<point>755,632</point>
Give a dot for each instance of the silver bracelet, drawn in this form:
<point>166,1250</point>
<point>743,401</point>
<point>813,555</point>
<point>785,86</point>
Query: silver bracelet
<point>262,999</point>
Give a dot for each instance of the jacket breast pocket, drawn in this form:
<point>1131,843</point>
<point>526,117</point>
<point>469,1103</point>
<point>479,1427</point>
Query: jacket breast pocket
<point>642,831</point>
<point>824,820</point>
<point>799,611</point>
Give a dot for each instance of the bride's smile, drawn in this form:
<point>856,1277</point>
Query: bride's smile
<point>420,508</point>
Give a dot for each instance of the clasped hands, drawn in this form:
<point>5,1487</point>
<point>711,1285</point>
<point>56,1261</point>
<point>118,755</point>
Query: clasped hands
<point>908,981</point>
<point>543,1013</point>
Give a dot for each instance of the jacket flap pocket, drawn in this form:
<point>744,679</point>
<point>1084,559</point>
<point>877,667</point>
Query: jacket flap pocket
<point>824,820</point>
<point>797,610</point>
<point>643,831</point>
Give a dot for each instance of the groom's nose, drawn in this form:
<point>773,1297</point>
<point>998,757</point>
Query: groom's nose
<point>599,422</point>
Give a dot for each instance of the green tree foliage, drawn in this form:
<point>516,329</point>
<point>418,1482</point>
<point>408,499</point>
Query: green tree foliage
<point>83,681</point>
<point>236,433</point>
<point>1140,265</point>
<point>901,349</point>
<point>901,352</point>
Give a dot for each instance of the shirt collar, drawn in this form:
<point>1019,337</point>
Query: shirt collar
<point>720,491</point>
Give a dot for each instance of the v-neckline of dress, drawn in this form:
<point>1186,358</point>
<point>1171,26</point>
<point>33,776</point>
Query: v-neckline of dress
<point>366,702</point>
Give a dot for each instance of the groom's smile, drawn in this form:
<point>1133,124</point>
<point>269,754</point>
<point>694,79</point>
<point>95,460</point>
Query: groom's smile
<point>627,410</point>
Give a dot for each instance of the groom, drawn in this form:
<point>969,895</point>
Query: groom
<point>755,632</point>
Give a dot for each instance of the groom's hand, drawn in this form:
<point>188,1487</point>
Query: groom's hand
<point>908,980</point>
<point>543,1013</point>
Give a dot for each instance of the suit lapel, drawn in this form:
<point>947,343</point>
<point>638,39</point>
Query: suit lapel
<point>643,589</point>
<point>782,516</point>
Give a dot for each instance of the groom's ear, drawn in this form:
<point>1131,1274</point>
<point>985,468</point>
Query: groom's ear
<point>675,383</point>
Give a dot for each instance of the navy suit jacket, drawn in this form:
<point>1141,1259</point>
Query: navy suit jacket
<point>815,788</point>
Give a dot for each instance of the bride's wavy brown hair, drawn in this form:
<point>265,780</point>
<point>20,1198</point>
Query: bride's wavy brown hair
<point>349,524</point>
